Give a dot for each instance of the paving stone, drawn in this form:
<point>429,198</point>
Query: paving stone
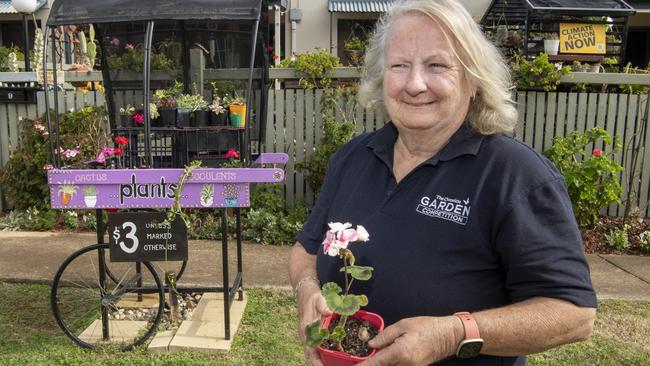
<point>119,330</point>
<point>205,332</point>
<point>160,342</point>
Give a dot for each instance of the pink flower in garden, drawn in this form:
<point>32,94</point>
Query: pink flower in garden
<point>106,152</point>
<point>70,153</point>
<point>269,48</point>
<point>138,118</point>
<point>115,42</point>
<point>275,57</point>
<point>48,167</point>
<point>597,152</point>
<point>128,46</point>
<point>118,151</point>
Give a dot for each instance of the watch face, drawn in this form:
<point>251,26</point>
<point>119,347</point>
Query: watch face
<point>469,348</point>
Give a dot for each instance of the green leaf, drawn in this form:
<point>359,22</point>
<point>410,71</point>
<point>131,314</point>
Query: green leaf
<point>338,333</point>
<point>361,273</point>
<point>314,334</point>
<point>344,305</point>
<point>363,300</point>
<point>330,288</point>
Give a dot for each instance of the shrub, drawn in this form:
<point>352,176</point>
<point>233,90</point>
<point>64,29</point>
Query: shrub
<point>24,178</point>
<point>538,73</point>
<point>618,238</point>
<point>592,181</point>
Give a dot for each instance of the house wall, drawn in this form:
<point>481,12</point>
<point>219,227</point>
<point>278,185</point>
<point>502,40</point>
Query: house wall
<point>318,27</point>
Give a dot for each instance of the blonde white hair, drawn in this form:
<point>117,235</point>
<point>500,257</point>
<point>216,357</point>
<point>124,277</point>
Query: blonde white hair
<point>492,109</point>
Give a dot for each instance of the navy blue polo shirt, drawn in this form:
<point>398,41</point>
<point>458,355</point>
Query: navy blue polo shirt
<point>484,223</point>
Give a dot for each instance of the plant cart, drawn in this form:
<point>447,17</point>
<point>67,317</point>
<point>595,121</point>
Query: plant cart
<point>181,52</point>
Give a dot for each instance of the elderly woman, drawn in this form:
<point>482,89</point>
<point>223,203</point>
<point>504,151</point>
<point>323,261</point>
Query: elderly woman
<point>478,259</point>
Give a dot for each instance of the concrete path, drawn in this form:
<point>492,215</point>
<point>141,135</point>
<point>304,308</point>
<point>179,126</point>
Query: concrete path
<point>35,257</point>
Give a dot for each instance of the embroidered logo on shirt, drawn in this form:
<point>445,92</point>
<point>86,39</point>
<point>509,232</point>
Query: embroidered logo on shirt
<point>445,208</point>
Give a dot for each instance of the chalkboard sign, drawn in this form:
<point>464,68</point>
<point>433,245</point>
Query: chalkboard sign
<point>144,236</point>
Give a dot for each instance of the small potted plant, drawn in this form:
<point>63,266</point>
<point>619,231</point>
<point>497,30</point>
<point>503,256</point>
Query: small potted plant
<point>166,103</point>
<point>197,108</point>
<point>342,338</point>
<point>187,104</point>
<point>218,114</point>
<point>126,116</point>
<point>551,43</point>
<point>237,108</point>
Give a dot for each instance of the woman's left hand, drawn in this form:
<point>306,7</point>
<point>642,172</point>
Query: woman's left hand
<point>416,341</point>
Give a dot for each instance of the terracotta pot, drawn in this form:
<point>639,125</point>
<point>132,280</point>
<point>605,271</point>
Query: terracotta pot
<point>336,358</point>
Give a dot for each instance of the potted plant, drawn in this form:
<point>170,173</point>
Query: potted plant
<point>237,115</point>
<point>218,114</point>
<point>342,338</point>
<point>186,104</point>
<point>166,104</point>
<point>126,116</point>
<point>197,108</point>
<point>551,43</point>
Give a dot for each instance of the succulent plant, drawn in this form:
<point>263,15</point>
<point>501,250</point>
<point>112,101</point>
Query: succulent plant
<point>192,102</point>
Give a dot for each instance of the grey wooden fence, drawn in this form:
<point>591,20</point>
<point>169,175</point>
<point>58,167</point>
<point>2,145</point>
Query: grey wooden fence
<point>294,125</point>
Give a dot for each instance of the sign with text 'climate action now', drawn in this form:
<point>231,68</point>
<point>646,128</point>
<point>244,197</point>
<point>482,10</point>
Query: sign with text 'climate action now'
<point>582,38</point>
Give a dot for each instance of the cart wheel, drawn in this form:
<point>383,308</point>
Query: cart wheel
<point>94,311</point>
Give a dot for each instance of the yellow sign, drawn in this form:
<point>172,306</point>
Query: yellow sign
<point>582,38</point>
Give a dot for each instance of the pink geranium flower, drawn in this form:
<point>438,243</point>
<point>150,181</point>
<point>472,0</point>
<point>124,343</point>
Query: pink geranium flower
<point>597,152</point>
<point>128,46</point>
<point>115,42</point>
<point>340,235</point>
<point>138,118</point>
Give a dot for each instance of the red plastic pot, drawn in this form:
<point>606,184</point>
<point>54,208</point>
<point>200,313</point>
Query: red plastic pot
<point>336,358</point>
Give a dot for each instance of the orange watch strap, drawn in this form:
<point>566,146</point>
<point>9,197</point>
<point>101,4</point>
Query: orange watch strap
<point>471,328</point>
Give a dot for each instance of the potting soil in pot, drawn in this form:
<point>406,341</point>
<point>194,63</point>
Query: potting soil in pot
<point>352,343</point>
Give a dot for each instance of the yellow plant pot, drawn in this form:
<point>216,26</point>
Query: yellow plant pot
<point>238,115</point>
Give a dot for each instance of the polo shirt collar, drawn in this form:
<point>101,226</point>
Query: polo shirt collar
<point>463,142</point>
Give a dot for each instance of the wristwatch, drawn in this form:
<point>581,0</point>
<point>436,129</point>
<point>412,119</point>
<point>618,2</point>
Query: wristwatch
<point>472,344</point>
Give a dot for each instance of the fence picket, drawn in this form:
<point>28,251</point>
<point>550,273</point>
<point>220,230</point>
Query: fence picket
<point>644,163</point>
<point>289,144</point>
<point>300,143</point>
<point>551,118</point>
<point>538,124</point>
<point>611,102</point>
<point>529,123</point>
<point>572,110</point>
<point>521,110</point>
<point>309,136</point>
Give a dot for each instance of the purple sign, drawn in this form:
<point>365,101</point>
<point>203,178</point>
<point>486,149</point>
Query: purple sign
<point>155,188</point>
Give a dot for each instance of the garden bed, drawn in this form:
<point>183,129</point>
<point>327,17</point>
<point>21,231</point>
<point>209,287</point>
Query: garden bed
<point>595,241</point>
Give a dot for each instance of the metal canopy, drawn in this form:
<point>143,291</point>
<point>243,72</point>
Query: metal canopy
<point>608,7</point>
<point>107,11</point>
<point>359,6</point>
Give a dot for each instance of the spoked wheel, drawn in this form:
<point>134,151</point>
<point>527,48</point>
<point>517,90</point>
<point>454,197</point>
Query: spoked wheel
<point>93,310</point>
<point>160,267</point>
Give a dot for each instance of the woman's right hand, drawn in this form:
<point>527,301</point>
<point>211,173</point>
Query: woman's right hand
<point>311,306</point>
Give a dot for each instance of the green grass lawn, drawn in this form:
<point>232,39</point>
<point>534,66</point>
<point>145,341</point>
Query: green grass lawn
<point>267,336</point>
